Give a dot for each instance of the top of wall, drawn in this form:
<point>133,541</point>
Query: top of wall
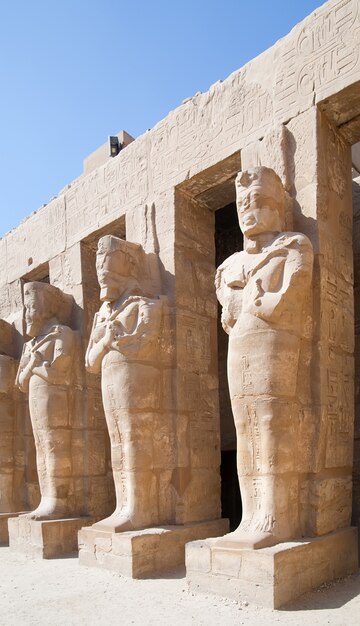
<point>100,156</point>
<point>317,59</point>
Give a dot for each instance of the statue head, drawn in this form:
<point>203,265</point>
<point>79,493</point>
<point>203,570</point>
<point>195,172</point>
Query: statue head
<point>261,202</point>
<point>42,303</point>
<point>118,266</point>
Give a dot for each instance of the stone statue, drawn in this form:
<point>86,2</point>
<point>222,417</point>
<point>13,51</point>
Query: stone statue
<point>124,346</point>
<point>262,291</point>
<point>8,498</point>
<point>46,371</point>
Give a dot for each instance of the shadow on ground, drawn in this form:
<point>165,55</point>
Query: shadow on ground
<point>331,595</point>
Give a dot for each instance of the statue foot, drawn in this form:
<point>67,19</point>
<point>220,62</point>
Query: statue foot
<point>47,510</point>
<point>117,523</point>
<point>241,539</point>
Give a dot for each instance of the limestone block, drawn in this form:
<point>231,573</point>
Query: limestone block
<point>270,577</point>
<point>45,539</point>
<point>4,531</point>
<point>137,554</point>
<point>330,504</point>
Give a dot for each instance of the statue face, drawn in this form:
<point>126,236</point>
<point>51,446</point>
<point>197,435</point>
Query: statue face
<point>34,311</point>
<point>110,268</point>
<point>257,212</point>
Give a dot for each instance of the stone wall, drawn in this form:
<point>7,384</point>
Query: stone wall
<point>308,84</point>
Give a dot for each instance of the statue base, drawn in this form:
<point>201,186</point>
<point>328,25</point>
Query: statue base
<point>271,577</point>
<point>140,553</point>
<point>4,531</point>
<point>45,539</point>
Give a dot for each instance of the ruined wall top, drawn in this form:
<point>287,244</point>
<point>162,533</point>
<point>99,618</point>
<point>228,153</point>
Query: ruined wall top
<point>320,57</point>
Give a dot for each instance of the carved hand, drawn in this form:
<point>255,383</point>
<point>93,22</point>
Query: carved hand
<point>112,333</point>
<point>35,359</point>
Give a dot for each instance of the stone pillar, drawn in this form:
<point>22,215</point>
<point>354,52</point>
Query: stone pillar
<point>356,245</point>
<point>197,397</point>
<point>186,438</point>
<point>329,220</point>
<point>45,532</point>
<point>12,487</point>
<point>74,272</point>
<point>26,486</point>
<point>326,546</point>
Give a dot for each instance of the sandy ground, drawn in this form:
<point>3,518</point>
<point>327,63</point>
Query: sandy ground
<point>60,592</point>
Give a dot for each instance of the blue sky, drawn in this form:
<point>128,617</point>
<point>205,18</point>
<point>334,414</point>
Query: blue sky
<point>75,71</point>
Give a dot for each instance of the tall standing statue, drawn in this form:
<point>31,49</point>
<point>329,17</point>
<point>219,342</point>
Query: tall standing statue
<point>124,346</point>
<point>263,290</point>
<point>46,372</point>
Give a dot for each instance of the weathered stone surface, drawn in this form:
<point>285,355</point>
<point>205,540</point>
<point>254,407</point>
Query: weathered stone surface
<point>294,109</point>
<point>45,539</point>
<point>139,553</point>
<point>270,577</point>
<point>319,58</point>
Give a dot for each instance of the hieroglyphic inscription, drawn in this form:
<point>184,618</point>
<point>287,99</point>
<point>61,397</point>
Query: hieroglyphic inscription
<point>27,246</point>
<point>114,433</point>
<point>250,110</point>
<point>196,339</point>
<point>339,439</point>
<point>328,46</point>
<point>246,374</point>
<point>254,437</point>
<point>339,308</point>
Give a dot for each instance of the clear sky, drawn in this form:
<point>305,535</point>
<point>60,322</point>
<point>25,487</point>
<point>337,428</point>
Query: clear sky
<point>73,72</point>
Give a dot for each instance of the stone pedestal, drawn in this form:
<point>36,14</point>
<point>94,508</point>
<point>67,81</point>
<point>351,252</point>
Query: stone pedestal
<point>45,539</point>
<point>271,577</point>
<point>140,553</point>
<point>4,531</point>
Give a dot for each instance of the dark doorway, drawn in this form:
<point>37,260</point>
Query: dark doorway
<point>228,239</point>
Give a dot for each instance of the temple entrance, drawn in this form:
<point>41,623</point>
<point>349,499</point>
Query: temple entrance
<point>208,232</point>
<point>228,239</point>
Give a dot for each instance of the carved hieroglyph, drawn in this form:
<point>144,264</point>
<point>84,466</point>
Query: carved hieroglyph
<point>124,346</point>
<point>7,420</point>
<point>263,290</point>
<point>46,372</point>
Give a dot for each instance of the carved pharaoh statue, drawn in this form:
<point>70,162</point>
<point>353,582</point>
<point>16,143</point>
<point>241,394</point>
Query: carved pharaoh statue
<point>46,372</point>
<point>263,290</point>
<point>124,346</point>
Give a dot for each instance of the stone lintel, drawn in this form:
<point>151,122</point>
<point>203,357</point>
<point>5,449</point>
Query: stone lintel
<point>45,539</point>
<point>140,553</point>
<point>271,577</point>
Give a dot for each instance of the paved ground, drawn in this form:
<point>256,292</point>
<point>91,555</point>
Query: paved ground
<point>60,592</point>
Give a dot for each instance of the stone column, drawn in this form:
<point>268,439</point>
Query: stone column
<point>11,489</point>
<point>183,459</point>
<point>356,245</point>
<point>319,178</point>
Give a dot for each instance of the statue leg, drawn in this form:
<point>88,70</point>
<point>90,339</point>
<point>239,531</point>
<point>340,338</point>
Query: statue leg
<point>49,411</point>
<point>135,482</point>
<point>266,439</point>
<point>131,397</point>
